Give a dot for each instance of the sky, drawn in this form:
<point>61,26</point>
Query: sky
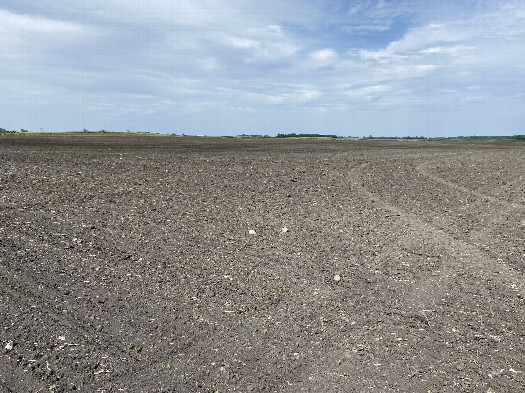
<point>230,67</point>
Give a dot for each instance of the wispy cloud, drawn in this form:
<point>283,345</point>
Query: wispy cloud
<point>23,35</point>
<point>265,45</point>
<point>368,93</point>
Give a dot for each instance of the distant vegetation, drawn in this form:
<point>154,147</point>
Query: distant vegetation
<point>521,137</point>
<point>473,137</point>
<point>4,131</point>
<point>253,136</point>
<point>295,135</point>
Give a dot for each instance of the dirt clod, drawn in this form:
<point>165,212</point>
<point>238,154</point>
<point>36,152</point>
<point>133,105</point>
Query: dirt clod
<point>9,346</point>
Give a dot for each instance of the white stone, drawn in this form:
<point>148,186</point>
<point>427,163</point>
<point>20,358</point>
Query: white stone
<point>252,232</point>
<point>284,230</point>
<point>337,277</point>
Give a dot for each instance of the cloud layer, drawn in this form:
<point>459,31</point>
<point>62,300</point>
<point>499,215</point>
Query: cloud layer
<point>230,67</point>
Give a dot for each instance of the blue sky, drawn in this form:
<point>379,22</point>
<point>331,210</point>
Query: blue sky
<point>227,67</point>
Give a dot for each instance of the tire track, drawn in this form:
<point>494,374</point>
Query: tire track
<point>466,257</point>
<point>423,169</point>
<point>502,213</point>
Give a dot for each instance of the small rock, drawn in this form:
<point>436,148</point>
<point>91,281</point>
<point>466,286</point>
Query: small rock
<point>496,373</point>
<point>62,338</point>
<point>252,232</point>
<point>495,338</point>
<point>9,346</point>
<point>284,230</point>
<point>337,277</point>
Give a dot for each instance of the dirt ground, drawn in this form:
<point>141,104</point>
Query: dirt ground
<point>129,264</point>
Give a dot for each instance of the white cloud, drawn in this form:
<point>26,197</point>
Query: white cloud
<point>476,99</point>
<point>452,54</point>
<point>275,28</point>
<point>240,42</point>
<point>162,13</point>
<point>424,38</point>
<point>456,50</point>
<point>298,97</point>
<point>368,93</point>
<point>406,71</point>
<point>27,24</point>
<point>365,16</point>
<point>381,56</point>
<point>19,32</point>
<point>290,96</point>
<point>323,57</point>
<point>260,48</point>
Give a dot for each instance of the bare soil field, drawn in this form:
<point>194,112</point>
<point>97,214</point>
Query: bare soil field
<point>136,263</point>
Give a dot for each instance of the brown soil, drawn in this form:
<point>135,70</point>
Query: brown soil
<point>126,265</point>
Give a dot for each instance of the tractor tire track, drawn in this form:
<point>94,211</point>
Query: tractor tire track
<point>466,256</point>
<point>485,237</point>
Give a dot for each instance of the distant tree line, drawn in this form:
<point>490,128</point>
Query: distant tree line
<point>472,137</point>
<point>522,137</point>
<point>394,137</point>
<point>253,136</point>
<point>4,131</point>
<point>294,135</point>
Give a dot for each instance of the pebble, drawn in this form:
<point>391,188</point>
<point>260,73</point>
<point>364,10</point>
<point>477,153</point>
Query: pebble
<point>284,230</point>
<point>9,346</point>
<point>496,373</point>
<point>252,232</point>
<point>337,277</point>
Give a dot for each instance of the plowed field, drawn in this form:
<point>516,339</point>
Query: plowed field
<point>182,264</point>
